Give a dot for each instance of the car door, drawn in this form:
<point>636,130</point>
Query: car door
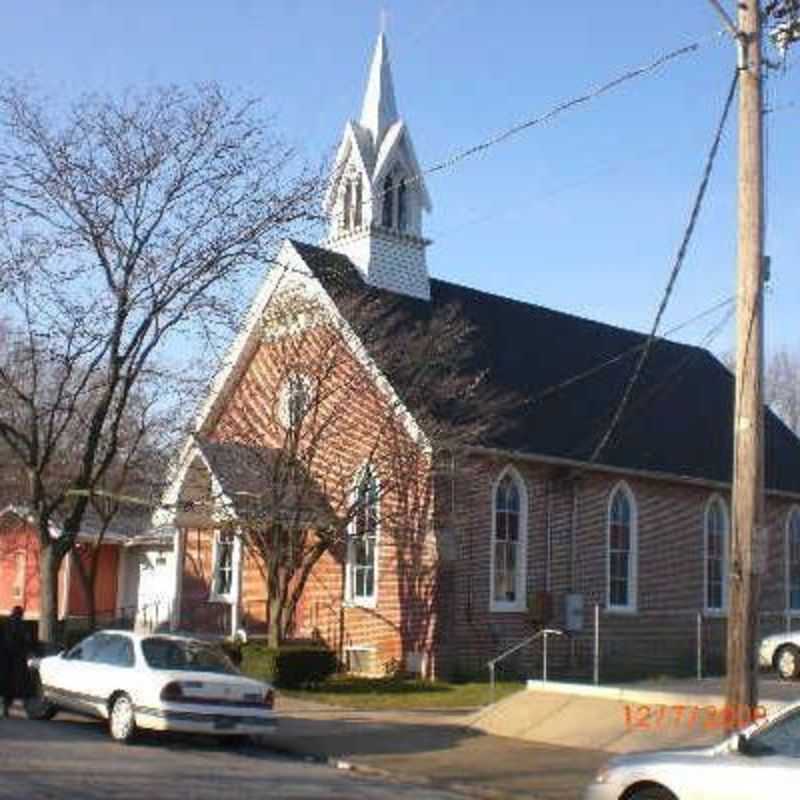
<point>70,683</point>
<point>112,668</point>
<point>766,765</point>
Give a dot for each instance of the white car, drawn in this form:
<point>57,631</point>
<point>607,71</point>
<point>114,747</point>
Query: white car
<point>763,761</point>
<point>781,651</point>
<point>159,682</point>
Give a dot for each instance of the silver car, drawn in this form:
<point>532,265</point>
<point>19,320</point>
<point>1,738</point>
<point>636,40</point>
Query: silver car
<point>781,652</point>
<point>763,761</point>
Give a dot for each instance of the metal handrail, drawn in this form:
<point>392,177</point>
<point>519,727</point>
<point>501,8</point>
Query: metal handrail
<point>545,632</point>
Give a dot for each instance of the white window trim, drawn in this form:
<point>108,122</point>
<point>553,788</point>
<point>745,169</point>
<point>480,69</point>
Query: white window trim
<point>350,600</point>
<point>789,611</point>
<point>633,562</point>
<point>230,597</point>
<point>726,546</point>
<point>521,603</point>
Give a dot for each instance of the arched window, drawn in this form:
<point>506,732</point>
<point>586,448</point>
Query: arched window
<point>622,550</point>
<point>359,204</point>
<point>348,203</point>
<point>297,397</point>
<point>388,202</point>
<point>793,560</point>
<point>402,209</point>
<point>509,526</point>
<point>362,544</point>
<point>716,555</point>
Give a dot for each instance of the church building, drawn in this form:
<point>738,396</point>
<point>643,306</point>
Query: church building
<point>448,559</point>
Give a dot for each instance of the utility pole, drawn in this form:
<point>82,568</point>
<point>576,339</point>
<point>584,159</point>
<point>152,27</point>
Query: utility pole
<point>748,468</point>
<point>748,425</point>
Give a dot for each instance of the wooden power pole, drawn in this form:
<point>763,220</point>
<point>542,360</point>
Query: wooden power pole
<point>748,469</point>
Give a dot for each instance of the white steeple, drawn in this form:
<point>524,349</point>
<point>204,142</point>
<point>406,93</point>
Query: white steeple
<point>377,193</point>
<point>379,110</point>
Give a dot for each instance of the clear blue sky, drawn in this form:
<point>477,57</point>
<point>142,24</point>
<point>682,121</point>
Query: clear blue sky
<point>583,215</point>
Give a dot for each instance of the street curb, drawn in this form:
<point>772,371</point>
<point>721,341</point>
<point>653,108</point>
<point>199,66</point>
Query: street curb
<point>367,770</point>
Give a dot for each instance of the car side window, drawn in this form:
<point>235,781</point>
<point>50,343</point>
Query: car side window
<point>83,651</point>
<point>782,738</point>
<point>114,651</point>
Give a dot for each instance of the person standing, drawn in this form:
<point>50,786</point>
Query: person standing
<point>16,645</point>
<point>5,668</point>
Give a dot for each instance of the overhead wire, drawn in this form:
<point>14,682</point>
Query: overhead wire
<point>621,356</point>
<point>556,111</point>
<point>669,379</point>
<point>674,273</point>
<point>514,130</point>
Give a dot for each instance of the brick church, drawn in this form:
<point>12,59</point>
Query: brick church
<point>526,526</point>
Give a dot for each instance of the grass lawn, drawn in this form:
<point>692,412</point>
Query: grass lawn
<point>398,694</point>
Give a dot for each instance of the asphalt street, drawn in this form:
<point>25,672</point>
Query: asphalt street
<point>73,758</point>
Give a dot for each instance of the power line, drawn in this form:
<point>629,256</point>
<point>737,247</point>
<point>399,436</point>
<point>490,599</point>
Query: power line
<point>679,261</point>
<point>565,106</point>
<point>593,370</point>
<point>548,116</point>
<point>669,379</point>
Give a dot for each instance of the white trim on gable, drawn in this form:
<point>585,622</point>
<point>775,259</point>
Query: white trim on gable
<point>398,135</point>
<point>290,261</point>
<point>245,342</point>
<point>350,144</point>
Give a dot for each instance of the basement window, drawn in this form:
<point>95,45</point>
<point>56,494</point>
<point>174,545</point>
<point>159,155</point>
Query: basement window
<point>360,660</point>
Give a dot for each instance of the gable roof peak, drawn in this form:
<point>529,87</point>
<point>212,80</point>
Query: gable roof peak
<point>379,110</point>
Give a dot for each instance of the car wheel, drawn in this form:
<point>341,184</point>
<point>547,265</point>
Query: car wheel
<point>37,706</point>
<point>787,662</point>
<point>651,793</point>
<point>121,719</point>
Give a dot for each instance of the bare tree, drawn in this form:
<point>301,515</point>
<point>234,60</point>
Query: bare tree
<point>323,438</point>
<point>121,501</point>
<point>781,384</point>
<point>124,223</point>
<point>782,381</point>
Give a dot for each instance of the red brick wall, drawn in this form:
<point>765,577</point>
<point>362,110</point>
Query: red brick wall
<point>441,606</point>
<point>661,634</point>
<point>360,425</point>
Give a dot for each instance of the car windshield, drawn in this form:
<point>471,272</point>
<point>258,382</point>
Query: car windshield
<point>191,656</point>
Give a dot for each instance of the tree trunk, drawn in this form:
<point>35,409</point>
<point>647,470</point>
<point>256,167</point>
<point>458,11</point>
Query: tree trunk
<point>49,561</point>
<point>274,623</point>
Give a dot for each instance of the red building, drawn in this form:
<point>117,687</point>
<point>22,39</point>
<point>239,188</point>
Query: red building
<point>19,570</point>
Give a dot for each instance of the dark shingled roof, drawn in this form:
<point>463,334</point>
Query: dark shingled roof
<point>679,419</point>
<point>246,473</point>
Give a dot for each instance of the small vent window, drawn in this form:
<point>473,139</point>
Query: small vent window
<point>360,660</point>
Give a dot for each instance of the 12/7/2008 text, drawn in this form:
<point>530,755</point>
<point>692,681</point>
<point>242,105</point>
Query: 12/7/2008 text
<point>658,717</point>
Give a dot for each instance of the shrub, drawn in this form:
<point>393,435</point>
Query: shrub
<point>289,666</point>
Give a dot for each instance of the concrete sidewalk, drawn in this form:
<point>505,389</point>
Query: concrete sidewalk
<point>623,718</point>
<point>435,748</point>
